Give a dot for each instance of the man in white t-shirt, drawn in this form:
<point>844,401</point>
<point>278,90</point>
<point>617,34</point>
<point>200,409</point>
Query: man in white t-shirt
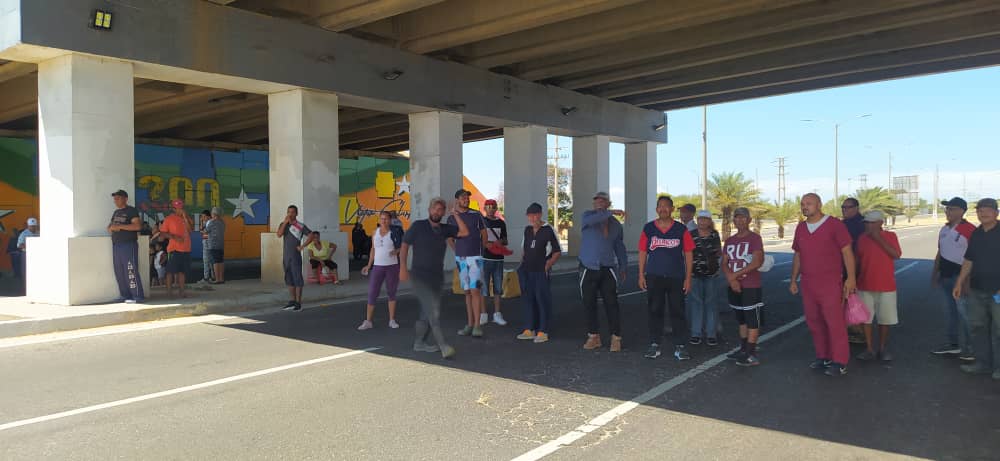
<point>953,241</point>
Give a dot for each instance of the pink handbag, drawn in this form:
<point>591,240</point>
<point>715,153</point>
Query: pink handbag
<point>856,311</point>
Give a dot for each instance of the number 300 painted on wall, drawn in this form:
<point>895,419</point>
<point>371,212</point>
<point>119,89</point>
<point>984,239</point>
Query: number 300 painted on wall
<point>207,190</point>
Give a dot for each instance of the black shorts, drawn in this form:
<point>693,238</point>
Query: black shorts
<point>326,262</point>
<point>747,305</point>
<point>217,256</point>
<point>178,262</point>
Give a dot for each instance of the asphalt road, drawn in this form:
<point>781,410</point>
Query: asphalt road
<point>298,386</point>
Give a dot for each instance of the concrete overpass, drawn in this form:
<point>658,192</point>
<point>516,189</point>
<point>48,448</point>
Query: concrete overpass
<point>312,78</point>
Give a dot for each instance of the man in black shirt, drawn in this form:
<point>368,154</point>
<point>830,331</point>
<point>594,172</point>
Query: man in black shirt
<point>541,251</point>
<point>981,272</point>
<point>496,234</point>
<point>428,238</point>
<point>124,228</point>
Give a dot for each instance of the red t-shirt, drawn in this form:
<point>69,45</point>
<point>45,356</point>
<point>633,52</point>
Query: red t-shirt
<point>877,270</point>
<point>739,250</point>
<point>176,225</point>
<point>820,256</point>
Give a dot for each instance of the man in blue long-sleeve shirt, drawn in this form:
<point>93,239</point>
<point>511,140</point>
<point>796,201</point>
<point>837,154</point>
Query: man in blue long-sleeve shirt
<point>602,268</point>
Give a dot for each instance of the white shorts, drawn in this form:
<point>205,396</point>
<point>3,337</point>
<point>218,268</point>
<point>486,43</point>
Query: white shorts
<point>881,304</point>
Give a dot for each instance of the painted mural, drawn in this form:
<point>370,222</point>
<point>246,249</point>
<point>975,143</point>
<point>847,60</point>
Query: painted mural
<point>235,181</point>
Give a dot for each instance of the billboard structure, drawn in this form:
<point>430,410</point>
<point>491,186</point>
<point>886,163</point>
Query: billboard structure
<point>907,190</point>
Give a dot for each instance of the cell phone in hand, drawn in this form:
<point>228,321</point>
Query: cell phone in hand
<point>996,298</point>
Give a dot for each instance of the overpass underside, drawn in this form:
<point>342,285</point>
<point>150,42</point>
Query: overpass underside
<point>314,80</point>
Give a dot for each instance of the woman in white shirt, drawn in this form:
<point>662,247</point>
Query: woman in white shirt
<point>383,266</point>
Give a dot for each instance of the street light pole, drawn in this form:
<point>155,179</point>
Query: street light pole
<point>836,163</point>
<point>704,158</point>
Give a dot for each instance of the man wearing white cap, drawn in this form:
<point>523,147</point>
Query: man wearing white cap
<point>877,252</point>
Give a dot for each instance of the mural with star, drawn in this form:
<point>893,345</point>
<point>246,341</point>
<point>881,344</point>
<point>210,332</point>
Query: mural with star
<point>236,181</point>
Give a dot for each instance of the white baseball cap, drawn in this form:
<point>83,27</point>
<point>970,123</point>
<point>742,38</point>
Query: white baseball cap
<point>32,222</point>
<point>705,214</point>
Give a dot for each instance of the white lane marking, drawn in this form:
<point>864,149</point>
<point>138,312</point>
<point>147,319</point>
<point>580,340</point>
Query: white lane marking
<point>898,271</point>
<point>620,410</point>
<point>610,415</point>
<point>193,387</point>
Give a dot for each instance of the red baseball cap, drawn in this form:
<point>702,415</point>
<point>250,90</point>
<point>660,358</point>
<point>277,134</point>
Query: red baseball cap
<point>489,202</point>
<point>177,203</point>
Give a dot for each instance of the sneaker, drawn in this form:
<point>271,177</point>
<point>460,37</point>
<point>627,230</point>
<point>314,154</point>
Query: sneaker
<point>484,318</point>
<point>866,356</point>
<point>974,369</point>
<point>653,351</point>
<point>541,337</point>
<point>424,347</point>
<point>836,369</point>
<point>593,342</point>
<point>820,364</point>
<point>298,307</point>
<point>712,342</point>
<point>738,354</point>
<point>465,331</point>
<point>130,301</point>
<point>526,334</point>
<point>748,361</point>
<point>967,357</point>
<point>477,332</point>
<point>498,319</point>
<point>447,352</point>
<point>885,356</point>
<point>695,341</point>
<point>289,306</point>
<point>616,343</point>
<point>366,325</point>
<point>947,349</point>
<point>681,353</point>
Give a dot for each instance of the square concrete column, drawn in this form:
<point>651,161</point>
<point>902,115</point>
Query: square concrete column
<point>435,159</point>
<point>85,152</point>
<point>435,163</point>
<point>304,164</point>
<point>590,175</point>
<point>640,190</point>
<point>525,178</point>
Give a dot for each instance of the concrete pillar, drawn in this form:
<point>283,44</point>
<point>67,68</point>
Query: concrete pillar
<point>85,152</point>
<point>304,163</point>
<point>590,175</point>
<point>435,163</point>
<point>525,179</point>
<point>435,159</point>
<point>640,190</point>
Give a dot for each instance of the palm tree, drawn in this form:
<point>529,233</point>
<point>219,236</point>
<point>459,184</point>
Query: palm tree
<point>730,190</point>
<point>782,214</point>
<point>881,199</point>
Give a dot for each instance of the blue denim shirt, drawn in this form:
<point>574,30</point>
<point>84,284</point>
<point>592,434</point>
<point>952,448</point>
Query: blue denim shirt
<point>596,250</point>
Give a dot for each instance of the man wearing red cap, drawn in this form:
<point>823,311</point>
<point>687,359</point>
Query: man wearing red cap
<point>493,253</point>
<point>177,227</point>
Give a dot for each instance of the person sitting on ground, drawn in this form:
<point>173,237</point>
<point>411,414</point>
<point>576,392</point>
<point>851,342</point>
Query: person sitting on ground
<point>321,254</point>
<point>383,266</point>
<point>877,251</point>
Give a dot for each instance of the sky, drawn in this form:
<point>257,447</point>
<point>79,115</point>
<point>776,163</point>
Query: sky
<point>948,121</point>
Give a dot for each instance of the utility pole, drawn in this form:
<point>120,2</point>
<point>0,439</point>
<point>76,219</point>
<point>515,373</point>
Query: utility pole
<point>704,157</point>
<point>863,181</point>
<point>781,180</point>
<point>555,185</point>
<point>890,171</point>
<point>836,163</point>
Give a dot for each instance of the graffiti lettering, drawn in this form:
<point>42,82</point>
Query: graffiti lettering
<point>213,191</point>
<point>354,211</point>
<point>155,186</point>
<point>180,184</point>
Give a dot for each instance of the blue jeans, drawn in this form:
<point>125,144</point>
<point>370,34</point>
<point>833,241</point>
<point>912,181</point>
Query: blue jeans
<point>537,297</point>
<point>702,302</point>
<point>958,319</point>
<point>492,272</point>
<point>984,326</point>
